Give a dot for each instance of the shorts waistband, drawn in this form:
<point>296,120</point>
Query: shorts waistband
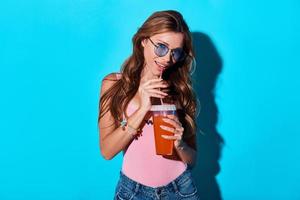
<point>136,186</point>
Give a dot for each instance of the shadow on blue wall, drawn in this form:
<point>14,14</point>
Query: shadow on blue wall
<point>209,143</point>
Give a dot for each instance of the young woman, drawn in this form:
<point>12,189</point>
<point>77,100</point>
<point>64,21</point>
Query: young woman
<point>159,67</point>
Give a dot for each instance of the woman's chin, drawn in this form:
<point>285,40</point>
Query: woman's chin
<point>159,70</point>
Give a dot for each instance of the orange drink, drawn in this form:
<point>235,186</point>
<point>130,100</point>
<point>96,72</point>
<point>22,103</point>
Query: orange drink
<point>162,145</point>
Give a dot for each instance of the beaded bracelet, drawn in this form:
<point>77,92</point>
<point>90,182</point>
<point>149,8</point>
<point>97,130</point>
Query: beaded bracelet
<point>181,146</point>
<point>132,131</point>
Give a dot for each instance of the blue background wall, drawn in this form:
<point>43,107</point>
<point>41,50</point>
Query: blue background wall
<point>53,55</point>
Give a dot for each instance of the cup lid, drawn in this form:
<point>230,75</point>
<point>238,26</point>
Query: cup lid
<point>164,107</point>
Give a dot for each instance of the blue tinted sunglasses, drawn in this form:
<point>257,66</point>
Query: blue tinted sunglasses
<point>161,50</point>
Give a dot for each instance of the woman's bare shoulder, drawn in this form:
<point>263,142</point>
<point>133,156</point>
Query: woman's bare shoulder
<point>108,81</point>
<point>115,76</point>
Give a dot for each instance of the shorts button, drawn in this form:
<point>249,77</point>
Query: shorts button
<point>158,191</point>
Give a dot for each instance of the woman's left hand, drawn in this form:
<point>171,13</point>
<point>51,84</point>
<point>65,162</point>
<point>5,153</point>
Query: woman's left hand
<point>177,130</point>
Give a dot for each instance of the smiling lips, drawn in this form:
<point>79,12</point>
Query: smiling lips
<point>160,66</point>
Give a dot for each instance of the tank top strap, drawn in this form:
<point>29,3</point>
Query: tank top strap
<point>118,75</point>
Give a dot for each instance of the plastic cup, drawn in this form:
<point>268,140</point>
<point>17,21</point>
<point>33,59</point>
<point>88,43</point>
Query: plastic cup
<point>162,145</point>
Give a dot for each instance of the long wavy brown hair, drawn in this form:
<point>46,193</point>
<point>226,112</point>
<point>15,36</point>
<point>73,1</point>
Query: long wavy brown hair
<point>117,98</point>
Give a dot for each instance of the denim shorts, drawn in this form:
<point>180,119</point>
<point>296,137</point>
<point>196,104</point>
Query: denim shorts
<point>183,187</point>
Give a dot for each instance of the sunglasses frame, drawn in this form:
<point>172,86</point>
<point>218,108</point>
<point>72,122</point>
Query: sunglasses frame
<point>172,51</point>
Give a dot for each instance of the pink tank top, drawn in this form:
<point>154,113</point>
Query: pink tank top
<point>141,164</point>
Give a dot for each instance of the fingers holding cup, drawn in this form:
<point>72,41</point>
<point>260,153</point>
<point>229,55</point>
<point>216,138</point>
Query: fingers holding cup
<point>178,132</point>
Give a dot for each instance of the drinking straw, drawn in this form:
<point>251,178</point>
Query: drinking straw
<point>161,101</point>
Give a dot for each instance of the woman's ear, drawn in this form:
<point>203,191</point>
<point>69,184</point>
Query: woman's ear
<point>144,41</point>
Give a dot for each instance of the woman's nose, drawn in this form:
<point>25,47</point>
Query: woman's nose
<point>168,58</point>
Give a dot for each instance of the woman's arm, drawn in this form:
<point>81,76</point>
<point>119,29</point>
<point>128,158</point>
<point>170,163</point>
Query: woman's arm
<point>114,139</point>
<point>185,151</point>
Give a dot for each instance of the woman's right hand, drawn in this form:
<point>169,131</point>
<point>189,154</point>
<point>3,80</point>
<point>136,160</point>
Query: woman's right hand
<point>151,88</point>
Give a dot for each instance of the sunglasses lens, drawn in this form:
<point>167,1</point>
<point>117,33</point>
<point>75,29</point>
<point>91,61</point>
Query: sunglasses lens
<point>178,54</point>
<point>161,50</point>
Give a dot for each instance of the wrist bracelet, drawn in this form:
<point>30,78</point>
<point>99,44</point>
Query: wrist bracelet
<point>132,131</point>
<point>181,146</point>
